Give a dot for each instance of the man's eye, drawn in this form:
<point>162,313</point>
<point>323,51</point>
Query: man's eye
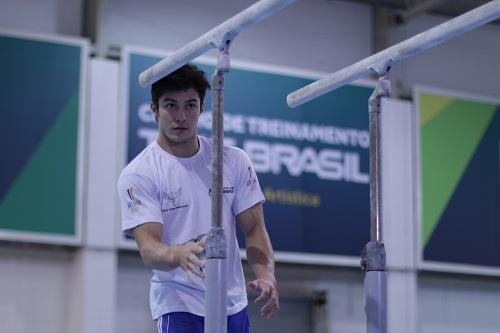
<point>169,106</point>
<point>191,106</point>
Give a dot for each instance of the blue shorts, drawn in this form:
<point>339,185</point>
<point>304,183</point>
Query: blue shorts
<point>185,322</point>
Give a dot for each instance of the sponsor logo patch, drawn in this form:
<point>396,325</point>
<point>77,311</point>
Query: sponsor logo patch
<point>133,204</point>
<point>252,181</point>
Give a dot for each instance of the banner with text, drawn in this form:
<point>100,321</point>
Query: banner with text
<point>312,162</point>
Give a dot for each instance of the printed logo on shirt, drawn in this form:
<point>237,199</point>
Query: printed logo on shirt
<point>173,200</point>
<point>134,204</point>
<point>225,190</point>
<point>252,181</point>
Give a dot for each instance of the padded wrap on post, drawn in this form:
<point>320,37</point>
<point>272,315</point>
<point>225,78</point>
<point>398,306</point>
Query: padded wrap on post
<point>216,244</point>
<point>373,257</point>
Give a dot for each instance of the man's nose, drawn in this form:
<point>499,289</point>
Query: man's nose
<point>180,115</point>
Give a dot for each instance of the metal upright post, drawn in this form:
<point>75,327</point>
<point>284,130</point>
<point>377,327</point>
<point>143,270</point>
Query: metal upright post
<point>373,255</point>
<point>216,272</point>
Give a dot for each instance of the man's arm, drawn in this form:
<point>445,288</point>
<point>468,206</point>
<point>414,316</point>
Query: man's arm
<point>261,258</point>
<point>158,255</point>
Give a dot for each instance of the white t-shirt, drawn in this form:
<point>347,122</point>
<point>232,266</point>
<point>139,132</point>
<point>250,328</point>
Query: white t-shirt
<point>159,187</point>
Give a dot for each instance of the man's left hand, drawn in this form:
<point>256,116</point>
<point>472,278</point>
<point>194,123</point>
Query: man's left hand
<point>268,294</point>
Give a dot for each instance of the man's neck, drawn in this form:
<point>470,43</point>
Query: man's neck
<point>183,149</point>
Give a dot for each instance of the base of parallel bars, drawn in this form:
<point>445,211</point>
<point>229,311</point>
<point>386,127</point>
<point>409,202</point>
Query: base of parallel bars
<point>216,296</point>
<point>376,301</point>
<point>373,263</point>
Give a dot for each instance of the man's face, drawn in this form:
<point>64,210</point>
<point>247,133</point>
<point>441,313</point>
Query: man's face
<point>177,114</point>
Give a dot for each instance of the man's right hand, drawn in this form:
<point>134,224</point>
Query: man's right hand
<point>188,258</point>
<point>157,255</point>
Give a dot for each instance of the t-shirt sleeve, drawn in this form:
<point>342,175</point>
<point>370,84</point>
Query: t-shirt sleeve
<point>247,192</point>
<point>139,201</point>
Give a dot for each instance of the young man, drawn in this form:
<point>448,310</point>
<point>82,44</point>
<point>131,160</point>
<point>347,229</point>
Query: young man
<point>166,205</point>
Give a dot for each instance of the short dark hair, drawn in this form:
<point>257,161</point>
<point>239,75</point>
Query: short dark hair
<point>188,76</point>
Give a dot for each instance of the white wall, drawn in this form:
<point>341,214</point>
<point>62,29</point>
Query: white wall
<point>94,293</point>
<point>42,16</point>
<point>34,284</point>
<point>458,304</point>
<point>133,314</point>
<point>398,229</point>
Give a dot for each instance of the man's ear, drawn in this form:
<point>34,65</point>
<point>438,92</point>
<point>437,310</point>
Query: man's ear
<point>154,108</point>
